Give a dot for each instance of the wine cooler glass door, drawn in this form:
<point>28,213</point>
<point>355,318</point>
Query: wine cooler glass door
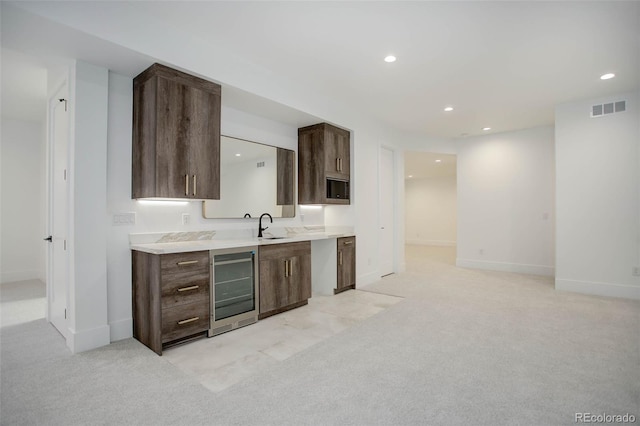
<point>234,284</point>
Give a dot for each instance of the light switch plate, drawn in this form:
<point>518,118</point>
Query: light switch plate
<point>124,218</point>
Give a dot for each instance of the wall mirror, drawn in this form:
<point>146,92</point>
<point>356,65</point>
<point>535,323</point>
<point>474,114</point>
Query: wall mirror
<point>254,179</point>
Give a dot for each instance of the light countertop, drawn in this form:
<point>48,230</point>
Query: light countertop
<point>215,244</point>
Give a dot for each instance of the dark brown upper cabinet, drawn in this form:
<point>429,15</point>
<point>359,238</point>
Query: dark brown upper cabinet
<point>324,170</point>
<point>176,135</point>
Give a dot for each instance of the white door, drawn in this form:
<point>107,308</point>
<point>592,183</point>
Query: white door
<point>59,212</point>
<point>386,213</point>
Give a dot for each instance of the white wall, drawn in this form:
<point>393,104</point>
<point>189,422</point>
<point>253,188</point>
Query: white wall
<point>87,312</point>
<point>23,200</point>
<point>598,192</point>
<point>506,201</point>
<point>430,211</point>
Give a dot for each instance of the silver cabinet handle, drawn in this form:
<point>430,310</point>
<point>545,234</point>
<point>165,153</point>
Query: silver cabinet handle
<point>186,185</point>
<point>187,262</point>
<point>188,320</point>
<point>340,162</point>
<point>290,271</point>
<point>340,258</point>
<point>193,287</point>
<point>346,243</point>
<point>194,185</point>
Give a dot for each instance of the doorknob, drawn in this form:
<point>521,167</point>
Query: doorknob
<point>49,238</point>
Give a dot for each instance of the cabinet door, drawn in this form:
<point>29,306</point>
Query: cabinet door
<point>172,139</point>
<point>274,285</point>
<point>311,164</point>
<point>204,146</point>
<point>337,153</point>
<point>299,288</point>
<point>346,262</point>
<point>285,177</point>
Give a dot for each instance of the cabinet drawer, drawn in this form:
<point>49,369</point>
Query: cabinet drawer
<point>346,242</point>
<point>177,293</point>
<point>185,320</point>
<point>185,278</point>
<point>184,266</point>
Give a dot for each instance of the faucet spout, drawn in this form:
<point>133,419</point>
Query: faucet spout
<point>260,228</point>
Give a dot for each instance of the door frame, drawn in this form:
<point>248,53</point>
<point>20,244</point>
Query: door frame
<point>398,258</point>
<point>53,101</point>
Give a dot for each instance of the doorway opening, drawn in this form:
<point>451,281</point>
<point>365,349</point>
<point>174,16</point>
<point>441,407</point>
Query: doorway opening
<point>23,201</point>
<point>27,122</point>
<point>387,211</point>
<point>430,209</point>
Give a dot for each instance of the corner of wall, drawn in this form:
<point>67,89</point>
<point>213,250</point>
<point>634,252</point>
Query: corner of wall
<point>120,330</point>
<point>88,339</point>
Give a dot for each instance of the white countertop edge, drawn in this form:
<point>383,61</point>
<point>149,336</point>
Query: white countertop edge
<point>198,245</point>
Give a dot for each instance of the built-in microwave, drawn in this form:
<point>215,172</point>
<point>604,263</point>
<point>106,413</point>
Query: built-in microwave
<point>337,189</point>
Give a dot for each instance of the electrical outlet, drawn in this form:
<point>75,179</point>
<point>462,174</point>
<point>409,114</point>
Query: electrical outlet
<point>186,218</point>
<point>636,271</point>
<point>125,218</point>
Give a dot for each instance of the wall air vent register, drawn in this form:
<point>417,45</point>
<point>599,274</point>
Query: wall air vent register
<point>608,108</point>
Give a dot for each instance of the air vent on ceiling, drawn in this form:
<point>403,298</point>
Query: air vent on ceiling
<point>260,164</point>
<point>608,108</point>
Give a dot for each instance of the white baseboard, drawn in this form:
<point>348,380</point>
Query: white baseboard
<point>13,276</point>
<point>121,330</point>
<point>599,289</point>
<point>422,242</point>
<point>86,340</point>
<point>519,268</point>
<point>367,279</point>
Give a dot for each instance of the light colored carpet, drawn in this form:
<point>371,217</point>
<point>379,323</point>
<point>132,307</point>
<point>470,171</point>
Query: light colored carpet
<point>22,301</point>
<point>464,347</point>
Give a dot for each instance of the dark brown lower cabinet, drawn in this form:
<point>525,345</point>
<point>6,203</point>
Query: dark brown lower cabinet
<point>171,301</point>
<point>285,277</point>
<point>346,264</point>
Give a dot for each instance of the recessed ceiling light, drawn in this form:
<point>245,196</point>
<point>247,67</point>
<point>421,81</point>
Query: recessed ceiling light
<point>410,176</point>
<point>447,109</point>
<point>390,58</point>
<point>486,128</point>
<point>607,76</point>
<point>238,155</point>
<point>438,161</point>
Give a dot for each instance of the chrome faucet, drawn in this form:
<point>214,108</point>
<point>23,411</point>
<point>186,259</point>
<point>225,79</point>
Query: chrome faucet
<point>260,228</point>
